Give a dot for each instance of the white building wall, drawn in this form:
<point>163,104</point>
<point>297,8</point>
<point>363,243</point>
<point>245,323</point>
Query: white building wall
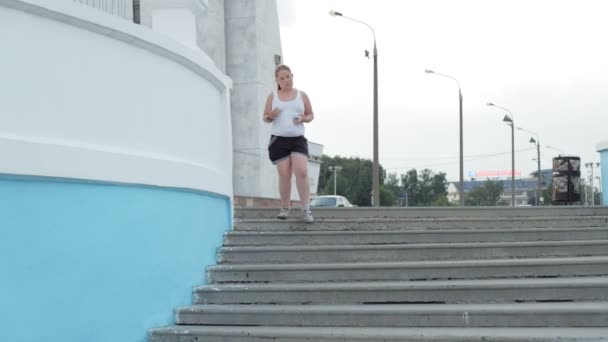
<point>314,166</point>
<point>197,24</point>
<point>120,8</point>
<point>121,103</point>
<point>242,38</point>
<point>453,193</point>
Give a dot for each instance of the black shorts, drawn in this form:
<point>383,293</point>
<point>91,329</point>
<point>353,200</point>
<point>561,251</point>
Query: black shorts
<point>280,148</point>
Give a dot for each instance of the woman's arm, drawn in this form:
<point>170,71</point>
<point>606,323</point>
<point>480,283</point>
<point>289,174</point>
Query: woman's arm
<point>267,109</point>
<point>268,114</point>
<point>308,113</point>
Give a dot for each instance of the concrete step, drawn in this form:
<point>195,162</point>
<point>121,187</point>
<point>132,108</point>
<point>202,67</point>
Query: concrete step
<point>410,252</point>
<point>191,333</point>
<point>581,314</point>
<point>333,224</point>
<point>431,212</point>
<point>413,270</point>
<point>453,291</point>
<point>261,238</point>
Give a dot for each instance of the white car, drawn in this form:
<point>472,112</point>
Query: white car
<point>330,201</point>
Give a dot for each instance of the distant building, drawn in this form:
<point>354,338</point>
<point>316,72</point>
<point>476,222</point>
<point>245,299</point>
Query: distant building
<point>545,178</point>
<point>525,189</point>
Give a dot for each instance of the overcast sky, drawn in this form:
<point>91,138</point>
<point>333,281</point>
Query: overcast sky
<point>546,61</point>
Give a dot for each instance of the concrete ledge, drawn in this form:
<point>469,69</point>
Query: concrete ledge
<point>431,212</point>
<point>432,292</point>
<point>415,270</point>
<point>277,238</point>
<point>410,252</point>
<point>324,334</point>
<point>393,223</point>
<point>441,315</point>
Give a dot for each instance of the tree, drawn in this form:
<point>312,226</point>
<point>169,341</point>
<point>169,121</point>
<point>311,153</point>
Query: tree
<point>390,190</point>
<point>598,197</point>
<point>424,188</point>
<point>547,194</point>
<point>387,197</point>
<point>410,187</point>
<point>354,181</point>
<point>486,195</point>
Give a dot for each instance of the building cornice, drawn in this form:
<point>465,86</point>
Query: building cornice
<point>93,20</point>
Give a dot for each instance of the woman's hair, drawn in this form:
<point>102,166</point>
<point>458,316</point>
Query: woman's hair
<point>276,72</point>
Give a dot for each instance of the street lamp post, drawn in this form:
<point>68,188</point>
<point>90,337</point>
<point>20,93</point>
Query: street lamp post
<point>376,166</point>
<point>599,180</point>
<point>511,122</point>
<point>461,190</point>
<point>335,170</point>
<point>537,143</point>
<point>591,186</point>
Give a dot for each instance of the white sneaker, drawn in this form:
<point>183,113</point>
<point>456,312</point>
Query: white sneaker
<point>283,214</point>
<point>307,216</point>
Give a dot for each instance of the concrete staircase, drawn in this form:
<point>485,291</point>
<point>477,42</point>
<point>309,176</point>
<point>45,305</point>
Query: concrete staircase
<point>430,274</point>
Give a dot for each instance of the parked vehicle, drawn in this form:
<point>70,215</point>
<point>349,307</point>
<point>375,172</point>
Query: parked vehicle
<point>330,201</point>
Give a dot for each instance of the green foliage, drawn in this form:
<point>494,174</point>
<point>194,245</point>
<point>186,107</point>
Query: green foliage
<point>424,188</point>
<point>442,201</point>
<point>486,195</point>
<point>354,181</point>
<point>547,194</point>
<point>387,197</point>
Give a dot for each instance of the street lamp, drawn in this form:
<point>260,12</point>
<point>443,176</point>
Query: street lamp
<point>510,121</point>
<point>461,192</point>
<point>537,143</point>
<point>376,167</point>
<point>335,170</point>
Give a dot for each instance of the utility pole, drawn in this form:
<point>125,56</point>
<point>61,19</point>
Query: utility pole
<point>335,170</point>
<point>376,163</point>
<point>600,182</point>
<point>591,188</point>
<point>509,120</point>
<point>601,191</point>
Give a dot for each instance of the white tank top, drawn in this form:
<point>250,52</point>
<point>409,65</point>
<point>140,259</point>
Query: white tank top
<point>283,125</point>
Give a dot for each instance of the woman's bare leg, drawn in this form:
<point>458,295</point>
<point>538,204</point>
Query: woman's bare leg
<point>299,166</point>
<point>284,169</point>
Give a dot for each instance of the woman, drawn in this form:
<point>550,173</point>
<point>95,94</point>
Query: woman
<point>288,109</point>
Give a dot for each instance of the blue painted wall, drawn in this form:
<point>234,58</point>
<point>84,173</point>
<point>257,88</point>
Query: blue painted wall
<point>100,262</point>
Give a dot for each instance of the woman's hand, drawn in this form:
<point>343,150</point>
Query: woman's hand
<point>273,114</point>
<point>269,117</point>
<point>301,119</point>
